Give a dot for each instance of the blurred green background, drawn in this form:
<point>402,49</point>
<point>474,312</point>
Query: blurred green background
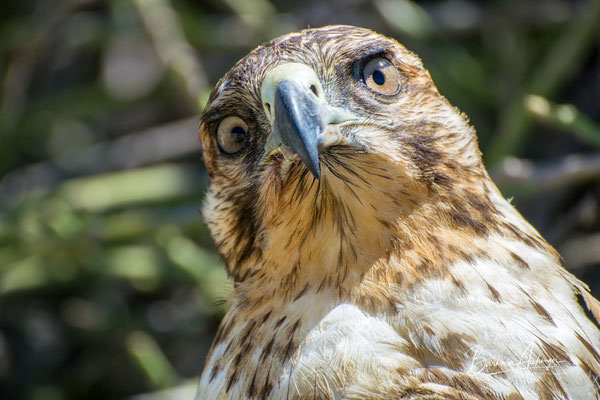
<point>110,287</point>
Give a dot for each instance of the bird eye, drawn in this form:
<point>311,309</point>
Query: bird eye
<point>231,135</point>
<point>380,76</point>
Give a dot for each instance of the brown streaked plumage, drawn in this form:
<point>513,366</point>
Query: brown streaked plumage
<point>372,255</point>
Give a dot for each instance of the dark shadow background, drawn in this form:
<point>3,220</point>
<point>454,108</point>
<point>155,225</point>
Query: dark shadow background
<point>109,283</point>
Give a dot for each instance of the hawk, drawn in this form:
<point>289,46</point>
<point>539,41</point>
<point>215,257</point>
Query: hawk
<point>372,256</point>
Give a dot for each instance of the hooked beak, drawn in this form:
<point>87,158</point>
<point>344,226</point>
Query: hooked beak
<point>294,103</point>
<point>298,122</point>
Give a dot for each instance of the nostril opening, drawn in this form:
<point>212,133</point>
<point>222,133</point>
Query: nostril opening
<point>313,89</point>
<point>268,107</point>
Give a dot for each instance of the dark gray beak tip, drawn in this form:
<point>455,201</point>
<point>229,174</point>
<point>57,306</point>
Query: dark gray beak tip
<point>313,165</point>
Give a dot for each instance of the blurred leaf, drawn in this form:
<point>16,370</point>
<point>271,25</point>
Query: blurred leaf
<point>139,264</point>
<point>162,23</point>
<point>565,117</point>
<point>24,274</point>
<point>151,360</point>
<point>206,268</point>
<point>255,13</point>
<point>152,184</point>
<point>526,178</point>
<point>406,16</point>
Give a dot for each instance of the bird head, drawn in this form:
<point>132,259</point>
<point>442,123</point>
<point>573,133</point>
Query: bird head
<point>329,148</point>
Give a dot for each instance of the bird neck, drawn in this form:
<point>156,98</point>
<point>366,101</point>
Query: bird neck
<point>356,262</point>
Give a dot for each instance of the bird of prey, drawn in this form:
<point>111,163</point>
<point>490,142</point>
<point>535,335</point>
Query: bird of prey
<point>372,256</point>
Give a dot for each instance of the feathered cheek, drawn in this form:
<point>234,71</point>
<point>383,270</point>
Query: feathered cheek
<point>377,147</point>
<point>273,181</point>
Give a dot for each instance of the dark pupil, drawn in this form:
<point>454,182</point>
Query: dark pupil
<point>378,77</point>
<point>237,134</point>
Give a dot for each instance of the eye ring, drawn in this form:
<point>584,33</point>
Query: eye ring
<point>232,135</point>
<point>380,75</point>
